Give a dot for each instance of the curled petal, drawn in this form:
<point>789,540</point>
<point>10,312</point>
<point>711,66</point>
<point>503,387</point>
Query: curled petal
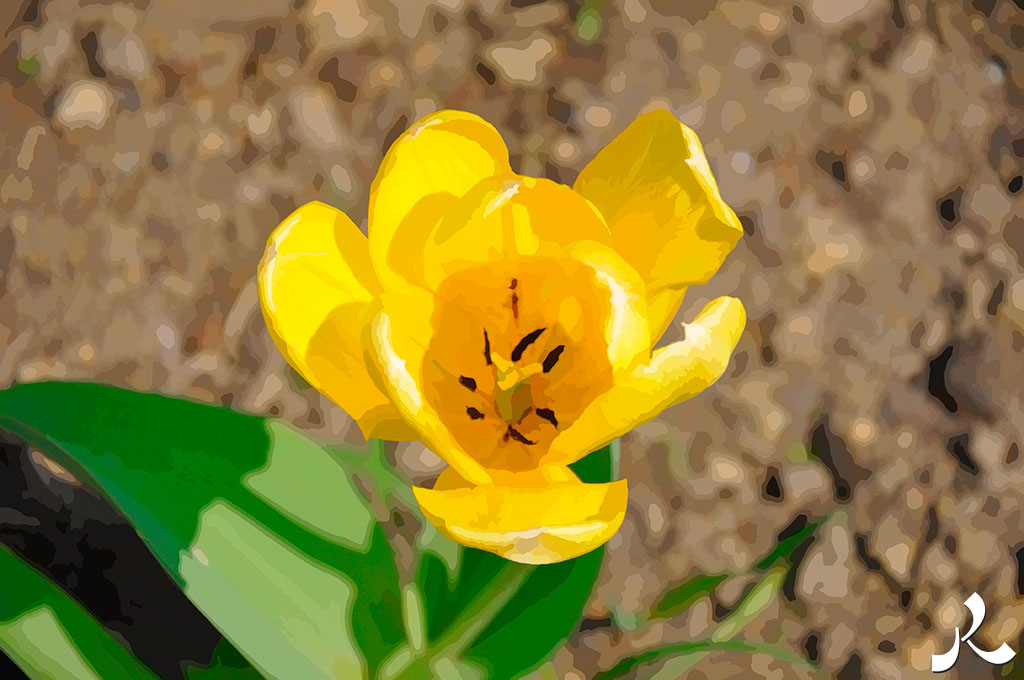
<point>530,524</point>
<point>675,373</point>
<point>315,282</point>
<point>653,185</point>
<point>429,166</point>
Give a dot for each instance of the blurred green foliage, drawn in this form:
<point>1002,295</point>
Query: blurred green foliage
<point>30,66</point>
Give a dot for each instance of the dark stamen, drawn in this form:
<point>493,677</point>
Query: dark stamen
<point>515,299</point>
<point>473,413</point>
<point>468,383</point>
<point>548,415</point>
<point>527,340</point>
<point>487,348</point>
<point>552,358</point>
<point>517,435</point>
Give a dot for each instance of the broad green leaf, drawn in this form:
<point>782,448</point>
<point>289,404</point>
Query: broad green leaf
<point>543,610</point>
<point>49,635</point>
<point>227,664</point>
<point>262,528</point>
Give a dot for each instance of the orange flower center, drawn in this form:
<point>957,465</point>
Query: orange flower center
<point>515,357</point>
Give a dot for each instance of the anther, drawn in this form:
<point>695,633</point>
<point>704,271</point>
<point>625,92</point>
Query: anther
<point>468,383</point>
<point>487,348</point>
<point>548,415</point>
<point>552,358</point>
<point>517,435</point>
<point>473,413</point>
<point>527,340</point>
<point>515,299</point>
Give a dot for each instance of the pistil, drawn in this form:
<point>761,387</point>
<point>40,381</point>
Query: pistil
<point>512,394</point>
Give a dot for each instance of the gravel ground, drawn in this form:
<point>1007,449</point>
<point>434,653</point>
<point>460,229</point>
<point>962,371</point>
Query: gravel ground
<point>872,149</point>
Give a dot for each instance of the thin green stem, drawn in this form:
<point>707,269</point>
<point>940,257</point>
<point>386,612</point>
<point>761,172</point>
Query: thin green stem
<point>481,612</point>
<point>677,659</point>
<point>704,648</point>
<point>465,628</point>
<point>615,452</point>
<point>756,601</point>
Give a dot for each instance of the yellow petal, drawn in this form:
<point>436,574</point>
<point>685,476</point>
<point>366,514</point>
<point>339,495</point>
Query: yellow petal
<point>315,281</point>
<point>397,336</point>
<point>674,374</point>
<point>532,525</point>
<point>626,332</point>
<point>661,309</point>
<point>656,191</point>
<point>504,218</point>
<point>533,477</point>
<point>429,166</point>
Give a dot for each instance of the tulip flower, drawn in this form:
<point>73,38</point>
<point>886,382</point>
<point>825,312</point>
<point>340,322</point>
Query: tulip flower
<point>509,322</point>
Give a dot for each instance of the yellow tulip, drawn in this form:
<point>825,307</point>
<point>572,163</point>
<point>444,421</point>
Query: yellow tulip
<point>509,322</point>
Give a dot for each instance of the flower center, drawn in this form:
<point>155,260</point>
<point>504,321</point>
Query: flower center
<point>513,397</point>
<point>516,356</point>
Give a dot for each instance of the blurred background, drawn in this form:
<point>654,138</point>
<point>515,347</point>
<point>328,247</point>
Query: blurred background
<point>872,148</point>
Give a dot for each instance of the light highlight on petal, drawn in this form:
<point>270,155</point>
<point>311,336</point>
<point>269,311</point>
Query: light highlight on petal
<point>626,331</point>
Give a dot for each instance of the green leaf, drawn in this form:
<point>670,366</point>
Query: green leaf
<point>543,610</point>
<point>753,603</point>
<point>680,658</point>
<point>262,529</point>
<point>701,649</point>
<point>49,635</point>
<point>589,22</point>
<point>30,66</point>
<point>784,550</point>
<point>227,664</point>
<point>680,598</point>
